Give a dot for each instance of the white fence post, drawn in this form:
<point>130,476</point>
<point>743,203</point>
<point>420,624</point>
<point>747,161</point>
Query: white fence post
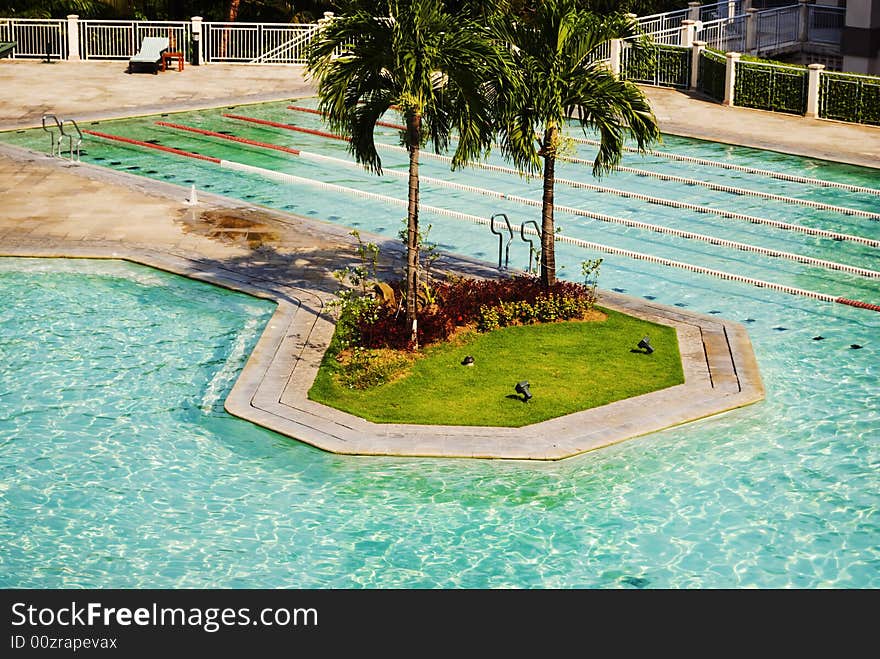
<point>686,38</point>
<point>730,78</point>
<point>694,11</point>
<point>324,22</point>
<point>803,20</point>
<point>698,48</point>
<point>198,52</point>
<point>751,31</point>
<point>615,48</point>
<point>815,71</point>
<point>73,37</point>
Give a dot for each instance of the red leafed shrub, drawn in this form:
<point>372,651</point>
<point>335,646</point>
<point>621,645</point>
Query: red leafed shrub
<point>460,302</point>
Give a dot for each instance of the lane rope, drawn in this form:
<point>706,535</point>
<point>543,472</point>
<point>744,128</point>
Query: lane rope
<point>735,190</point>
<point>233,138</point>
<point>823,233</point>
<point>791,290</point>
<point>228,164</point>
<point>806,260</point>
<point>741,168</point>
<point>160,147</point>
<point>679,179</point>
<point>297,108</point>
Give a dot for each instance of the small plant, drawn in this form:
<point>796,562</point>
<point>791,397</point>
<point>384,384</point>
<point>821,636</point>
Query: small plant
<point>590,271</point>
<point>357,306</point>
<point>361,368</point>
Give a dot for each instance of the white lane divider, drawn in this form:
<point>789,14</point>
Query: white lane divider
<point>742,168</point>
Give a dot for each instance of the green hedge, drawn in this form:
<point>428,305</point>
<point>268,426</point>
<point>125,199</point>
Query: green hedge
<point>850,98</point>
<point>713,70</point>
<point>780,89</point>
<point>654,64</point>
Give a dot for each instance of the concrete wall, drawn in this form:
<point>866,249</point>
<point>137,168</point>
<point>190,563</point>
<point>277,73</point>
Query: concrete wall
<point>861,37</point>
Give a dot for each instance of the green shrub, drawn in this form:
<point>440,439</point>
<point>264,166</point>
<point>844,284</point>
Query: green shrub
<point>850,98</point>
<point>713,70</point>
<point>544,309</point>
<point>657,64</point>
<point>776,88</point>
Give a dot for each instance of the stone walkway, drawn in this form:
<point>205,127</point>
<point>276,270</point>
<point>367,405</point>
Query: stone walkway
<point>691,116</point>
<point>50,208</point>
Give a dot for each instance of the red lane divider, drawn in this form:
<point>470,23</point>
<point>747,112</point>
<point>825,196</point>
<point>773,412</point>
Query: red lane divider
<point>243,140</point>
<point>275,124</point>
<point>168,149</point>
<point>858,303</point>
<point>324,114</point>
<point>302,109</point>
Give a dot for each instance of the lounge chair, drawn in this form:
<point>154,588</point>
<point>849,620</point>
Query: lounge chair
<point>6,48</point>
<point>150,55</point>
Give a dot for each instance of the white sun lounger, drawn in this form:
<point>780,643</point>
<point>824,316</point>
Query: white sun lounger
<point>150,55</point>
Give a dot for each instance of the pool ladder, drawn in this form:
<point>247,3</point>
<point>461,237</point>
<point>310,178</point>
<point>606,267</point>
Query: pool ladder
<point>504,248</point>
<point>74,141</point>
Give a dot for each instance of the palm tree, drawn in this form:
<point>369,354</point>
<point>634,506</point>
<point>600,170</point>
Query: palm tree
<point>552,49</point>
<point>435,67</point>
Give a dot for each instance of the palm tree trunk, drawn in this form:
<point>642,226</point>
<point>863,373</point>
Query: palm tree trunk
<point>231,17</point>
<point>413,139</point>
<point>548,232</point>
<point>232,14</point>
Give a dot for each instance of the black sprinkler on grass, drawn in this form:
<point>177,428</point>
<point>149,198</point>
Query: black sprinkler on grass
<point>522,388</point>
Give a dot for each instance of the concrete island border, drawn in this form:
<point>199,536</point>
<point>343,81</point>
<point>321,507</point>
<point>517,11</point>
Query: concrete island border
<point>721,374</point>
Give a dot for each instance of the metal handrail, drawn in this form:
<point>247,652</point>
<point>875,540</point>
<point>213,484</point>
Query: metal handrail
<point>299,39</point>
<point>70,143</point>
<point>522,234</point>
<point>52,133</point>
<point>501,246</point>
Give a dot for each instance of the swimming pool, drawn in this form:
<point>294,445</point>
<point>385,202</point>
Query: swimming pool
<point>780,494</point>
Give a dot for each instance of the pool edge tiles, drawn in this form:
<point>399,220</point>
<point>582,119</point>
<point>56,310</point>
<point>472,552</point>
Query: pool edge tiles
<point>721,374</point>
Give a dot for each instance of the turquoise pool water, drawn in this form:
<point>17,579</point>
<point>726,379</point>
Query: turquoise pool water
<point>780,494</point>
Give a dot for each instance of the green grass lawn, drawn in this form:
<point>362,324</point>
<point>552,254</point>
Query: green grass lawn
<point>570,366</point>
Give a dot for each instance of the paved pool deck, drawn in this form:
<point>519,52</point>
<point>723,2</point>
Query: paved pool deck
<point>51,208</point>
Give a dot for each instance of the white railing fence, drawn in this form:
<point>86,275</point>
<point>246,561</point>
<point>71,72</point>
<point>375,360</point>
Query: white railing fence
<point>724,33</point>
<point>727,9</point>
<point>601,53</point>
<point>291,45</point>
<point>253,43</point>
<point>660,22</point>
<point>122,39</point>
<point>825,24</point>
<point>258,43</point>
<point>695,12</point>
<point>777,28</point>
<point>667,37</point>
<point>35,38</point>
